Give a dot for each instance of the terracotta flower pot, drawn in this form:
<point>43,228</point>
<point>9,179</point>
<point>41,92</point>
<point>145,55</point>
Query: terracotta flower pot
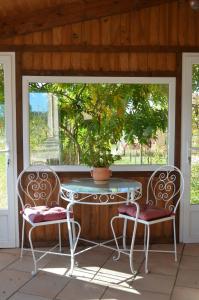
<point>101,175</point>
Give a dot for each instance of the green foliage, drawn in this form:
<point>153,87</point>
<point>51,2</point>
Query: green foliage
<point>93,117</point>
<point>38,130</point>
<point>3,182</point>
<point>194,184</point>
<point>195,78</point>
<point>147,114</point>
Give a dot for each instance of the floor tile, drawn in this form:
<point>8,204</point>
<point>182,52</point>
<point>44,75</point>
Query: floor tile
<point>115,294</point>
<point>189,262</point>
<point>98,276</point>
<point>117,272</point>
<point>57,265</point>
<point>167,247</point>
<point>83,290</point>
<point>182,293</point>
<point>45,285</point>
<point>108,277</point>
<point>11,250</point>
<point>61,266</point>
<point>154,283</point>
<point>96,257</point>
<point>191,249</point>
<point>161,263</point>
<point>84,273</point>
<point>6,259</point>
<point>26,264</point>
<point>11,281</point>
<point>20,296</point>
<point>188,278</point>
<point>123,264</point>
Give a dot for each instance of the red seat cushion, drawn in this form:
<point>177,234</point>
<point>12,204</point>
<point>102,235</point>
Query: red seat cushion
<point>39,214</point>
<point>147,213</point>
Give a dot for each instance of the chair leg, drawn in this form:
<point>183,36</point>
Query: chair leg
<point>33,254</point>
<point>22,238</point>
<point>73,232</point>
<point>70,235</point>
<point>145,236</point>
<point>147,250</point>
<point>59,229</point>
<point>115,238</point>
<point>73,228</point>
<point>132,248</point>
<point>124,233</point>
<point>174,237</point>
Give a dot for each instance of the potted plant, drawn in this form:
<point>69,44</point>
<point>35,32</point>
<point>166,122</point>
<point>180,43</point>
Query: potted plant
<point>100,159</point>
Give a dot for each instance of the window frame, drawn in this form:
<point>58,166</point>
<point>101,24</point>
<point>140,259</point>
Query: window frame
<point>171,81</point>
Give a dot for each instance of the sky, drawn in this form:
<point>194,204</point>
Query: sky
<point>38,102</point>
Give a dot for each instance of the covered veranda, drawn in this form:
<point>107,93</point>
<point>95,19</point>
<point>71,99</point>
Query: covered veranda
<point>147,47</point>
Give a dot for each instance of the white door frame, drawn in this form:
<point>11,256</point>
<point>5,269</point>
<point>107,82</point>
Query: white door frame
<point>8,61</point>
<point>188,213</point>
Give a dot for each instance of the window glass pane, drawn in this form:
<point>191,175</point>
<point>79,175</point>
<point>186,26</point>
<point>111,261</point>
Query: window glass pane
<point>3,154</point>
<point>76,123</point>
<point>195,136</point>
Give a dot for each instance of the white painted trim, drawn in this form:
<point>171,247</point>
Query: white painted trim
<point>90,79</point>
<point>26,147</point>
<point>185,207</point>
<point>97,79</point>
<point>8,60</point>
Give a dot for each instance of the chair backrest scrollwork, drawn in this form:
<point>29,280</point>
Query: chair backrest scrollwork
<point>38,185</point>
<point>165,187</point>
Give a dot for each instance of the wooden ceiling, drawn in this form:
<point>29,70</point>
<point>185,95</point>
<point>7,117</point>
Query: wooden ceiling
<point>16,7</point>
<point>21,17</point>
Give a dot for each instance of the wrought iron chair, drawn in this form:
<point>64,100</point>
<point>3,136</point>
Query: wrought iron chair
<point>38,188</point>
<point>164,191</point>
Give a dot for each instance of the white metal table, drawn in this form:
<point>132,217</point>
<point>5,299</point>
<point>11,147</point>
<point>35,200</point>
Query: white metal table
<point>86,192</point>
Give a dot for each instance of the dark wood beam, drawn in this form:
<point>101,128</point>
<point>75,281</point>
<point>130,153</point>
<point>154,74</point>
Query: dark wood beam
<point>139,4</point>
<point>19,125</point>
<point>61,15</point>
<point>89,48</point>
<point>178,114</point>
<point>178,105</point>
<point>99,48</point>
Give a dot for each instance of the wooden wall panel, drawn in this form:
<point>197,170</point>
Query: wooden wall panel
<point>115,30</point>
<point>99,61</point>
<point>173,24</point>
<point>154,26</point>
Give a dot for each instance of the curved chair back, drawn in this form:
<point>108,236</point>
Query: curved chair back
<point>166,186</point>
<point>38,185</point>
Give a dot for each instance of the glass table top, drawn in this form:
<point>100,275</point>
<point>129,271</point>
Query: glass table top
<point>112,186</point>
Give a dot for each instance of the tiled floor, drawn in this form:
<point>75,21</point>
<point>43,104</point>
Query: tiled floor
<point>97,276</point>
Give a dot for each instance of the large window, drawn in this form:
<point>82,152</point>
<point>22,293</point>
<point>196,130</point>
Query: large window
<point>66,118</point>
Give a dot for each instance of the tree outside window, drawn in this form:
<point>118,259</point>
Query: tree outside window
<point>122,123</point>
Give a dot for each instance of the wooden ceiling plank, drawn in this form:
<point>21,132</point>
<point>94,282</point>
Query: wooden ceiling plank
<point>61,15</point>
<point>140,4</point>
